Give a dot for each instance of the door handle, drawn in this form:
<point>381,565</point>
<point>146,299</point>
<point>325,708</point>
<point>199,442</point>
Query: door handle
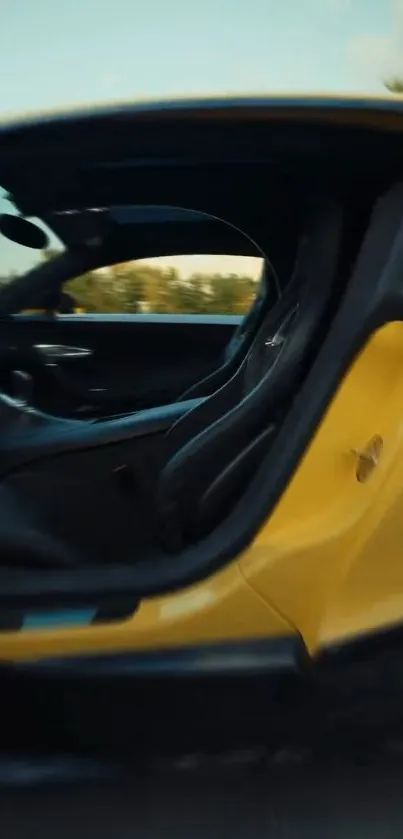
<point>53,353</point>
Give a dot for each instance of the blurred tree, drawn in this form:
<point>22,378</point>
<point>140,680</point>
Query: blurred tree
<point>87,291</point>
<point>131,288</point>
<point>137,287</point>
<point>395,84</point>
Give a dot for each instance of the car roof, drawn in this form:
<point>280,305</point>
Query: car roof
<point>145,231</point>
<point>385,103</point>
<point>240,158</point>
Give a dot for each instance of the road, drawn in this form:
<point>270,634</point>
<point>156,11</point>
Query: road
<point>333,802</point>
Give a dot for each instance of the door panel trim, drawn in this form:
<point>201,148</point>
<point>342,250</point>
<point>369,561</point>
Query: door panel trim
<point>125,317</point>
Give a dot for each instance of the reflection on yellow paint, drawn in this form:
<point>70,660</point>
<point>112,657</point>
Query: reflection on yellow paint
<point>189,603</point>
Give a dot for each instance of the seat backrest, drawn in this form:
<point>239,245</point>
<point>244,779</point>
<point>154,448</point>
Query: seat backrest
<point>214,449</point>
<point>237,349</point>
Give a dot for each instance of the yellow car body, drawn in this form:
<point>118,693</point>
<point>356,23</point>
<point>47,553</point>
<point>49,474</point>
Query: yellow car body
<point>326,565</point>
<point>245,649</point>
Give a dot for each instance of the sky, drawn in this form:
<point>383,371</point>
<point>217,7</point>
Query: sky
<point>56,53</point>
<point>59,52</point>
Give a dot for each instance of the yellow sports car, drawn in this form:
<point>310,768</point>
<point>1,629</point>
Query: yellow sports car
<point>201,473</point>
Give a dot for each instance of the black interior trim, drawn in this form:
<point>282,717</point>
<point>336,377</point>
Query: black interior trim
<point>124,361</point>
<point>14,619</point>
<point>35,435</point>
<point>363,646</point>
<point>136,127</point>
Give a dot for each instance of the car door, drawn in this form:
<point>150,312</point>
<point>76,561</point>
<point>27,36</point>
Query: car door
<point>110,364</point>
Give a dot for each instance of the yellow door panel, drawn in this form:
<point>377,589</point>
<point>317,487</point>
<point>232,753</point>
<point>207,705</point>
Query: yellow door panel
<point>325,564</point>
<point>330,557</point>
<point>223,608</point>
<point>370,596</point>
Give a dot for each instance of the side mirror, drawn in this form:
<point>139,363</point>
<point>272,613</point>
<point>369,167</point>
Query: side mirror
<point>23,232</point>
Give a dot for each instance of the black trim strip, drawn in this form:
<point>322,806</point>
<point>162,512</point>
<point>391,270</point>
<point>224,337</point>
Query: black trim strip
<point>277,656</point>
<point>11,619</point>
<point>231,106</point>
<point>363,646</point>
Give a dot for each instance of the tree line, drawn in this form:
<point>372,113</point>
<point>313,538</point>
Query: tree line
<point>134,288</point>
<point>395,85</point>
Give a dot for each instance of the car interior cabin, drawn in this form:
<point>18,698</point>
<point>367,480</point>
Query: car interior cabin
<point>183,452</point>
<point>175,433</point>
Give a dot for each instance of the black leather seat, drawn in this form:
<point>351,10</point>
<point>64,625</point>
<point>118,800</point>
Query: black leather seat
<point>269,293</point>
<point>213,450</point>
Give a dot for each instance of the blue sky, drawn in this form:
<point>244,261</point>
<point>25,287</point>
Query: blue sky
<point>59,52</point>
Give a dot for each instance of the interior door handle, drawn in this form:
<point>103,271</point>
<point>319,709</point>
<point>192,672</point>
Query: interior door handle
<point>53,353</point>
